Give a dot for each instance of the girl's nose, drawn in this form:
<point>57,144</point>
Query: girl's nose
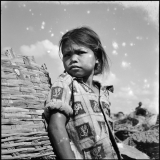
<point>74,58</point>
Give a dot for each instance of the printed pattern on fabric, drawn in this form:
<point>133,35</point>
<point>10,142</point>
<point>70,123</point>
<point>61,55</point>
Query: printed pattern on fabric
<point>96,152</point>
<point>106,108</point>
<point>102,125</point>
<point>56,92</point>
<point>86,88</point>
<point>84,131</point>
<point>78,108</point>
<point>111,124</point>
<point>86,128</point>
<point>74,88</point>
<point>95,106</point>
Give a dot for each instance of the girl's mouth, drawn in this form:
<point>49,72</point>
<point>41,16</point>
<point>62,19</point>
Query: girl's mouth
<point>74,67</point>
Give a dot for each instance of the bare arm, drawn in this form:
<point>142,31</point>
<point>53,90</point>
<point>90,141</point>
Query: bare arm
<point>59,136</point>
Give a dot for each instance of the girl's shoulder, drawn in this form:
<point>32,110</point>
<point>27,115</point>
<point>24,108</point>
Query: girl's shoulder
<point>104,87</point>
<point>65,78</point>
<point>108,88</point>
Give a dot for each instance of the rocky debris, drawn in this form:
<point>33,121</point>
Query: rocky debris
<point>130,152</point>
<point>140,131</point>
<point>147,142</point>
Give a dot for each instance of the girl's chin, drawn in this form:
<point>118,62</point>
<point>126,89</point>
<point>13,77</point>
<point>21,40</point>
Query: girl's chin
<point>77,75</point>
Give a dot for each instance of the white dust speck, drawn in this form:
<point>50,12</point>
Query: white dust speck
<point>114,52</point>
<point>125,64</point>
<point>43,25</point>
<point>131,44</point>
<point>139,38</point>
<point>52,35</point>
<point>123,44</point>
<point>145,80</point>
<point>115,45</point>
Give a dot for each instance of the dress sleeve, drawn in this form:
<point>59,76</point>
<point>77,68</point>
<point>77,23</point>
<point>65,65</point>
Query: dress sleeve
<point>59,98</point>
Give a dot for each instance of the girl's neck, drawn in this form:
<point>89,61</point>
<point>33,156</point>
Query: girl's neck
<point>88,80</point>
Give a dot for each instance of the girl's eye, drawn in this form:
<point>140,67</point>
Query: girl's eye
<point>66,55</point>
<point>81,52</point>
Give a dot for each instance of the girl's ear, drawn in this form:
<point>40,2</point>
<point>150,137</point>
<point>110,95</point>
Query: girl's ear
<point>97,69</point>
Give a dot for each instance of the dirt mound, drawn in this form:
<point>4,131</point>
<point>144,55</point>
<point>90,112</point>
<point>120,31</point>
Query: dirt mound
<point>141,132</point>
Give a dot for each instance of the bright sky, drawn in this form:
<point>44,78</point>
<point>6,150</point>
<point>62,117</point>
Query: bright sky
<point>129,32</point>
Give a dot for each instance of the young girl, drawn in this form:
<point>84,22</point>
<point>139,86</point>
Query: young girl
<point>78,109</point>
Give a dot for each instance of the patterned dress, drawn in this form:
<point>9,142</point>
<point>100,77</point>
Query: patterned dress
<point>86,113</point>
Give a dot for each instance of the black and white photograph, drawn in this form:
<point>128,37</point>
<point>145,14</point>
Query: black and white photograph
<point>79,80</point>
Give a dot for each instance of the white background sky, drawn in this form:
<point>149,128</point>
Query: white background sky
<point>129,32</point>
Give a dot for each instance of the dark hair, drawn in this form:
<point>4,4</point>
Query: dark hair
<point>120,113</point>
<point>86,37</point>
<point>140,103</point>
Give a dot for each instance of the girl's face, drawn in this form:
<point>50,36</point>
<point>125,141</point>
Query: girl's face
<point>78,61</point>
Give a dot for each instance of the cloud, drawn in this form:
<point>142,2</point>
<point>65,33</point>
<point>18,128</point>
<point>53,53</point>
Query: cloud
<point>133,83</point>
<point>142,90</point>
<point>107,79</point>
<point>155,103</point>
<point>150,7</point>
<point>151,105</point>
<point>126,93</point>
<point>40,49</point>
<point>111,79</point>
